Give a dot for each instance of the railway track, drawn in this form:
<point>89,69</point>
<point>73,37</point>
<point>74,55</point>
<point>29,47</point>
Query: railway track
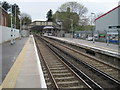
<point>94,73</point>
<point>57,73</point>
<point>97,63</point>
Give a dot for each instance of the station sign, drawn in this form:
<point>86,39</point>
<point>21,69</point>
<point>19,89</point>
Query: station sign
<point>114,27</point>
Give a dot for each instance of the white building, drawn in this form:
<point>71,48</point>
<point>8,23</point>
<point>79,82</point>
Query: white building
<point>111,18</point>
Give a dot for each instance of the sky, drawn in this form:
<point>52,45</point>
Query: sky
<point>38,9</point>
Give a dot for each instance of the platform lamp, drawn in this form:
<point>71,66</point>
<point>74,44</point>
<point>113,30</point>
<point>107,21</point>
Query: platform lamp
<point>72,27</point>
<point>94,27</point>
<point>107,37</point>
<point>61,24</point>
<point>20,32</point>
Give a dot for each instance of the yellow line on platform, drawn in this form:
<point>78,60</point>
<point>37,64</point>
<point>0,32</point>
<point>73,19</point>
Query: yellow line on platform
<point>10,80</point>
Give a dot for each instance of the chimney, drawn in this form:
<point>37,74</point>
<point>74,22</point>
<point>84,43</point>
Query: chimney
<point>119,3</point>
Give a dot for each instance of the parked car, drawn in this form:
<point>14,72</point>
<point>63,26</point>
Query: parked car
<point>89,38</point>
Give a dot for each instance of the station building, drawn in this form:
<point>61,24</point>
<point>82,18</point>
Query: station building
<point>3,16</point>
<point>104,22</point>
<point>45,27</point>
<point>111,18</point>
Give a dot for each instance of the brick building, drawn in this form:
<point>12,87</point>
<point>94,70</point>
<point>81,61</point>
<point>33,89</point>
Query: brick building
<point>3,17</point>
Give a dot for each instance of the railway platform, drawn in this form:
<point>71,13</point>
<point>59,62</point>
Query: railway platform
<point>8,54</point>
<point>110,49</point>
<point>26,71</point>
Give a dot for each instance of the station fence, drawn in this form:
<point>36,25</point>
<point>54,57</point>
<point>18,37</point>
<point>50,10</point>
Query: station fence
<point>5,33</point>
<point>101,36</point>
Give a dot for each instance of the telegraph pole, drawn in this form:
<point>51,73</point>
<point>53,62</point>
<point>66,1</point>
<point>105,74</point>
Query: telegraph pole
<point>11,27</point>
<point>14,25</point>
<point>20,26</point>
<point>15,16</point>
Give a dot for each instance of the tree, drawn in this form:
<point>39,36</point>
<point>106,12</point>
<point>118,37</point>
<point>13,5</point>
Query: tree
<point>5,5</point>
<point>49,15</point>
<point>75,7</point>
<point>26,19</point>
<point>68,18</point>
<point>71,11</point>
<point>15,7</point>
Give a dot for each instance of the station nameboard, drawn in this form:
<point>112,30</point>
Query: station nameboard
<point>114,27</point>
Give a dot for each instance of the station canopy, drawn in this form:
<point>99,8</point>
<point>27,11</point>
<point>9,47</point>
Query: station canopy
<point>48,27</point>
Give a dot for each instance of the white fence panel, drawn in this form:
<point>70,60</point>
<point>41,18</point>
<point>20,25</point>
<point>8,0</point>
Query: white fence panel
<point>5,33</point>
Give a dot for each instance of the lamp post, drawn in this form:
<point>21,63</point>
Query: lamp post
<point>14,25</point>
<point>20,26</point>
<point>106,37</point>
<point>61,24</point>
<point>15,15</point>
<point>94,24</point>
<point>72,28</point>
<point>61,28</point>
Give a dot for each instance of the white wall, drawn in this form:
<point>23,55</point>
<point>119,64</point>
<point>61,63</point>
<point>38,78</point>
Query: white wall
<point>5,34</point>
<point>110,19</point>
<point>0,34</point>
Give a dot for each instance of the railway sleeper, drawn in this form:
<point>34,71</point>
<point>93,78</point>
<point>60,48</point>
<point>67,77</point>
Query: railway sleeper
<point>44,71</point>
<point>47,78</point>
<point>45,74</point>
<point>69,75</point>
<point>70,84</point>
<point>56,65</point>
<point>54,68</point>
<point>48,83</point>
<point>61,74</point>
<point>61,71</point>
<point>59,78</point>
<point>67,82</point>
<point>74,87</point>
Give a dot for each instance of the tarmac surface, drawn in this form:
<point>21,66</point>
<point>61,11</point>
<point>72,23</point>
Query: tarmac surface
<point>9,54</point>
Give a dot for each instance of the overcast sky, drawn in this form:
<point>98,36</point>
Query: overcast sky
<point>37,9</point>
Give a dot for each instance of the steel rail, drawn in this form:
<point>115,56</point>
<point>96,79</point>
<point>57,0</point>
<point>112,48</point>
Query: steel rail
<point>54,81</point>
<point>98,71</point>
<point>55,86</point>
<point>88,80</point>
<point>108,76</point>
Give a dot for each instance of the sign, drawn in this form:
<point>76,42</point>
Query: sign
<point>101,35</point>
<point>114,27</point>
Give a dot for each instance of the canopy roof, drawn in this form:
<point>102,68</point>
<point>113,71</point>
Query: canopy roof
<point>48,27</point>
